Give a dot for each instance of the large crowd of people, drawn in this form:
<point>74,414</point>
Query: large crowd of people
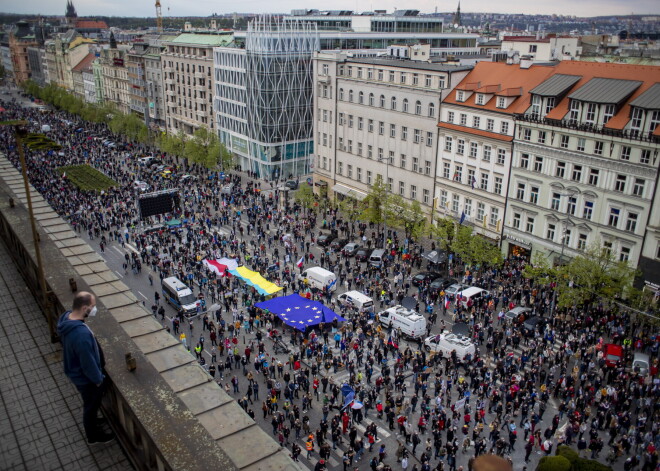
<point>522,391</point>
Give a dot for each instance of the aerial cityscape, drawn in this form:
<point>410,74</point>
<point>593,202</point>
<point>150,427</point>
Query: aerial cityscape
<point>374,237</point>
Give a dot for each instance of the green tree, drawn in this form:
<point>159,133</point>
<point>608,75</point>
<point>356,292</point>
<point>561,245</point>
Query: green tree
<point>443,232</point>
<point>375,203</point>
<point>304,196</point>
<point>553,463</point>
<point>405,215</point>
<point>351,209</point>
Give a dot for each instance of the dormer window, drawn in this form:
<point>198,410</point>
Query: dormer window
<point>460,95</point>
<point>574,112</point>
<point>549,104</point>
<point>608,113</point>
<point>636,119</point>
<point>501,102</point>
<point>536,106</point>
<point>481,99</point>
<point>655,120</point>
<point>590,117</point>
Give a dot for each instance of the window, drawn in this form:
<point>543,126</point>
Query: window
<point>340,167</point>
<point>359,149</point>
<point>480,99</point>
<point>413,192</point>
<point>446,170</point>
<point>341,94</point>
<point>484,181</point>
<point>390,182</point>
<point>402,188</point>
<point>458,174</point>
<point>381,102</point>
<point>498,185</point>
<point>429,138</point>
<point>392,130</point>
<point>593,176</point>
<point>481,209</point>
<point>393,103</point>
<point>463,119</point>
<point>614,217</point>
<point>450,117</point>
<point>402,77</point>
<point>361,98</point>
<point>582,241</point>
<point>371,99</point>
<point>564,141</point>
<point>624,255</point>
<point>472,179</point>
<point>369,177</point>
<point>473,149</point>
<point>349,171</point>
<point>574,111</point>
<point>454,203</point>
<point>490,124</point>
<point>494,216</point>
<point>538,164</point>
<point>645,156</point>
<point>555,202</point>
<point>403,162</point>
<point>501,156</point>
<point>431,110</point>
<point>520,194</point>
<point>417,136</point>
<point>590,118</point>
<point>358,174</point>
<point>532,48</point>
<point>360,123</point>
<point>560,171</point>
<point>550,234</point>
<point>404,133</point>
<point>467,208</point>
<point>418,107</point>
<point>427,167</point>
<point>370,74</point>
<point>370,127</point>
<point>427,81</point>
<point>516,220</point>
<point>549,104</point>
<point>350,71</point>
<point>536,106</point>
<point>567,237</point>
<point>608,113</point>
<point>448,143</point>
<point>359,72</point>
<point>443,198</point>
<point>380,75</point>
<point>638,187</point>
<point>350,120</point>
<point>460,95</point>
<point>581,142</point>
<point>501,102</point>
<point>487,152</point>
<point>598,148</point>
<point>524,160</point>
<point>654,121</point>
<point>460,147</point>
<point>534,195</point>
<point>631,222</point>
<point>577,173</point>
<point>476,121</point>
<point>426,196</point>
<point>620,184</point>
<point>391,76</point>
<point>441,82</point>
<point>341,119</point>
<point>530,225</point>
<point>391,158</point>
<point>571,205</point>
<point>381,128</point>
<point>350,95</point>
<point>504,127</point>
<point>370,152</point>
<point>625,152</point>
<point>405,105</point>
<point>350,146</point>
<point>588,210</point>
<point>527,134</point>
<point>326,69</point>
<point>341,143</point>
<point>607,247</point>
<point>636,119</point>
<point>541,137</point>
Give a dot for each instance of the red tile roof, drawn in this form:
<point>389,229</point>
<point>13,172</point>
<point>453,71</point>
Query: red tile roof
<point>91,24</point>
<point>478,132</point>
<point>85,63</point>
<point>513,80</point>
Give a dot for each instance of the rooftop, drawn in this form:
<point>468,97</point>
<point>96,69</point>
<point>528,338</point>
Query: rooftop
<point>409,64</point>
<point>213,40</point>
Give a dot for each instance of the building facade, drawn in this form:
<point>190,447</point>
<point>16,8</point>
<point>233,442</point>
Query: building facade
<point>585,166</point>
<point>541,48</point>
<point>116,86</point>
<point>36,60</point>
<point>83,66</point>
<point>88,85</point>
<point>263,97</point>
<point>476,132</point>
<point>377,119</point>
<point>19,41</point>
<point>187,63</point>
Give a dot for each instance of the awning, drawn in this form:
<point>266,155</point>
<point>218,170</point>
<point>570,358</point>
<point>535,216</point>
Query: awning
<point>348,191</point>
<point>435,256</point>
<point>299,312</point>
<point>254,279</point>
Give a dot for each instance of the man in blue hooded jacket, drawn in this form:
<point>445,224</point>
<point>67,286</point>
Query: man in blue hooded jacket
<point>83,362</point>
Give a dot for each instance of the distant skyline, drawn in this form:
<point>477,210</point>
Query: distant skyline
<point>145,8</point>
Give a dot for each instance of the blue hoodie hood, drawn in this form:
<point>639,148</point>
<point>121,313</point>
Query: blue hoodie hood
<point>80,351</point>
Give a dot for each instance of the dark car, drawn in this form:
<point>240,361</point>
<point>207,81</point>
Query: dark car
<point>533,323</point>
<point>291,185</point>
<point>325,239</point>
<point>362,254</point>
<point>424,277</point>
<point>337,244</point>
<point>517,315</point>
<point>442,283</point>
<point>351,249</point>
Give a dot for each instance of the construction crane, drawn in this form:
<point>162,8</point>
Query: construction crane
<point>159,17</point>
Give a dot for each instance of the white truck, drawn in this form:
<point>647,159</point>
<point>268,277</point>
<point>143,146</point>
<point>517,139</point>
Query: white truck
<point>320,278</point>
<point>409,322</point>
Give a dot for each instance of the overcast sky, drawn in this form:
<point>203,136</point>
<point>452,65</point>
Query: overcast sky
<point>207,7</point>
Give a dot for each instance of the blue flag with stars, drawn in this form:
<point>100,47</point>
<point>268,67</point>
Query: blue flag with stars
<point>299,312</point>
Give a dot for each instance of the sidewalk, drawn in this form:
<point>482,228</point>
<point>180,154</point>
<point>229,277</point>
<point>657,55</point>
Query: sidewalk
<point>40,410</point>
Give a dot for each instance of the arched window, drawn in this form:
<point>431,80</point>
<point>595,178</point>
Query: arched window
<point>341,94</point>
<point>431,110</point>
<point>382,101</point>
<point>405,105</point>
<point>371,99</point>
<point>393,103</point>
<point>418,107</point>
<point>361,98</point>
<point>350,96</point>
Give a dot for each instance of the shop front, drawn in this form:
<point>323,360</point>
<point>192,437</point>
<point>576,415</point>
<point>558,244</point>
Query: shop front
<point>518,248</point>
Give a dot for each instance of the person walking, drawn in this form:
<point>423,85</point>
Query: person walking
<point>83,362</point>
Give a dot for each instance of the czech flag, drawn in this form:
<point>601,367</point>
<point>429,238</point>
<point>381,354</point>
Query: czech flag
<point>447,303</point>
<point>301,261</point>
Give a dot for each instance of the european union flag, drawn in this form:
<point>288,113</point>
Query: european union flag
<point>299,312</point>
<point>462,218</point>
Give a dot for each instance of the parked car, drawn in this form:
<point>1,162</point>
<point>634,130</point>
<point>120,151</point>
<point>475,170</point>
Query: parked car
<point>140,185</point>
<point>424,277</point>
<point>517,315</point>
<point>362,254</point>
<point>325,239</point>
<point>337,244</point>
<point>351,249</point>
<point>453,290</point>
<point>534,323</point>
<point>442,283</point>
<point>291,185</point>
<point>189,177</point>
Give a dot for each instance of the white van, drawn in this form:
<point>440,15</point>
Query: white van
<point>377,257</point>
<point>445,343</point>
<point>472,293</point>
<point>355,299</point>
<point>177,293</point>
<point>408,321</point>
<point>320,278</point>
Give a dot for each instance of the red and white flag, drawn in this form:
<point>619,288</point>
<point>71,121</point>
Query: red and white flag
<point>301,261</point>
